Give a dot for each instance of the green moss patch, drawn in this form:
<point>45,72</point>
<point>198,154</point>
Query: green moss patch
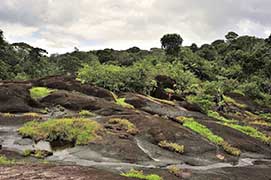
<point>86,113</point>
<point>121,102</point>
<point>229,100</point>
<point>217,116</point>
<point>252,132</point>
<point>78,130</point>
<point>208,134</point>
<point>140,175</point>
<point>172,146</point>
<point>124,124</point>
<point>5,161</point>
<point>40,92</point>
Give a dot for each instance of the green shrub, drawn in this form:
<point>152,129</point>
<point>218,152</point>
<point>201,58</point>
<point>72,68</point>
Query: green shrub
<point>78,130</point>
<point>139,175</point>
<point>204,101</point>
<point>40,92</point>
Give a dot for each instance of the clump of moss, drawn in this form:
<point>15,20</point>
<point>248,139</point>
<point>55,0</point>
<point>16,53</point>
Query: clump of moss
<point>208,134</point>
<point>140,175</point>
<point>76,130</point>
<point>229,100</point>
<point>86,113</point>
<point>40,92</point>
<point>40,154</point>
<point>172,146</point>
<point>175,170</point>
<point>32,114</point>
<point>125,124</point>
<point>261,123</point>
<point>6,161</point>
<point>217,116</point>
<point>252,132</point>
<point>121,102</point>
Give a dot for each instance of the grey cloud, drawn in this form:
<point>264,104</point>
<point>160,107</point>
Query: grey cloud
<point>131,20</point>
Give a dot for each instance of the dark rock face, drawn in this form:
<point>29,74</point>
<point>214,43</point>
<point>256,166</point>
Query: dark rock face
<point>15,97</point>
<point>69,83</point>
<point>77,101</point>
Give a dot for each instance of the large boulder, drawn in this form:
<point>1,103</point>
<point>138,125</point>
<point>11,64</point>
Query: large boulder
<point>78,101</point>
<point>70,83</point>
<point>15,97</point>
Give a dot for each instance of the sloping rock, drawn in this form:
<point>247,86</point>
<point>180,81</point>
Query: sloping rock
<point>69,83</point>
<point>15,98</point>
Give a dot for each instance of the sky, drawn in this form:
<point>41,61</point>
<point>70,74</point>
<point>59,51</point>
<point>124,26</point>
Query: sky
<point>60,25</point>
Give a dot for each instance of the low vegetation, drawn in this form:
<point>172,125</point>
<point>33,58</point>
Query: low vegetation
<point>124,124</point>
<point>140,175</point>
<point>32,114</point>
<point>121,102</point>
<point>250,131</point>
<point>40,154</point>
<point>77,130</point>
<point>86,113</point>
<point>172,146</point>
<point>162,100</point>
<point>6,161</point>
<point>229,100</point>
<point>208,134</point>
<point>217,116</point>
<point>40,92</point>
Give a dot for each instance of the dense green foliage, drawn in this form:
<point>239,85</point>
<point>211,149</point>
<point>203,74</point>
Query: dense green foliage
<point>240,64</point>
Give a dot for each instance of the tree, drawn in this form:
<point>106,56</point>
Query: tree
<point>231,36</point>
<point>171,43</point>
<point>268,40</point>
<point>194,47</point>
<point>133,49</point>
<point>2,41</point>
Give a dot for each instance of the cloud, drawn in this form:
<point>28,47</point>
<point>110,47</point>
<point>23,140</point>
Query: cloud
<point>59,25</point>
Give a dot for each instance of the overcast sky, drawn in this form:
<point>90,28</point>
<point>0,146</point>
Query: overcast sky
<point>60,25</point>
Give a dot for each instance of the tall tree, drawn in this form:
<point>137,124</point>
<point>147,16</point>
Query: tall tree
<point>171,43</point>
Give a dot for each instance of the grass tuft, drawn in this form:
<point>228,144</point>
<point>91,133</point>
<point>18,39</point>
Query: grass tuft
<point>217,116</point>
<point>125,124</point>
<point>252,132</point>
<point>140,175</point>
<point>208,134</point>
<point>78,130</point>
<point>6,161</point>
<point>121,102</point>
<point>40,92</point>
<point>172,146</point>
<point>86,113</point>
<point>229,100</point>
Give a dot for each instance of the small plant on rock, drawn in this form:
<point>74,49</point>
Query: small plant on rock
<point>172,146</point>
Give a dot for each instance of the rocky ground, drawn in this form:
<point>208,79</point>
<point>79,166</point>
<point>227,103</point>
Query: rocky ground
<point>119,150</point>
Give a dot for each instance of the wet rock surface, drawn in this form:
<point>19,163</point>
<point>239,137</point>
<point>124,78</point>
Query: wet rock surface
<point>117,150</point>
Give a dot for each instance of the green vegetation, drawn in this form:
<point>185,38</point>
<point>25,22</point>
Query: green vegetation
<point>208,134</point>
<point>121,102</point>
<point>261,123</point>
<point>250,131</point>
<point>266,116</point>
<point>232,101</point>
<point>125,124</point>
<point>78,130</point>
<point>86,113</point>
<point>172,103</point>
<point>40,154</point>
<point>172,146</point>
<point>40,92</point>
<point>140,175</point>
<point>217,116</point>
<point>202,75</point>
<point>5,161</point>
